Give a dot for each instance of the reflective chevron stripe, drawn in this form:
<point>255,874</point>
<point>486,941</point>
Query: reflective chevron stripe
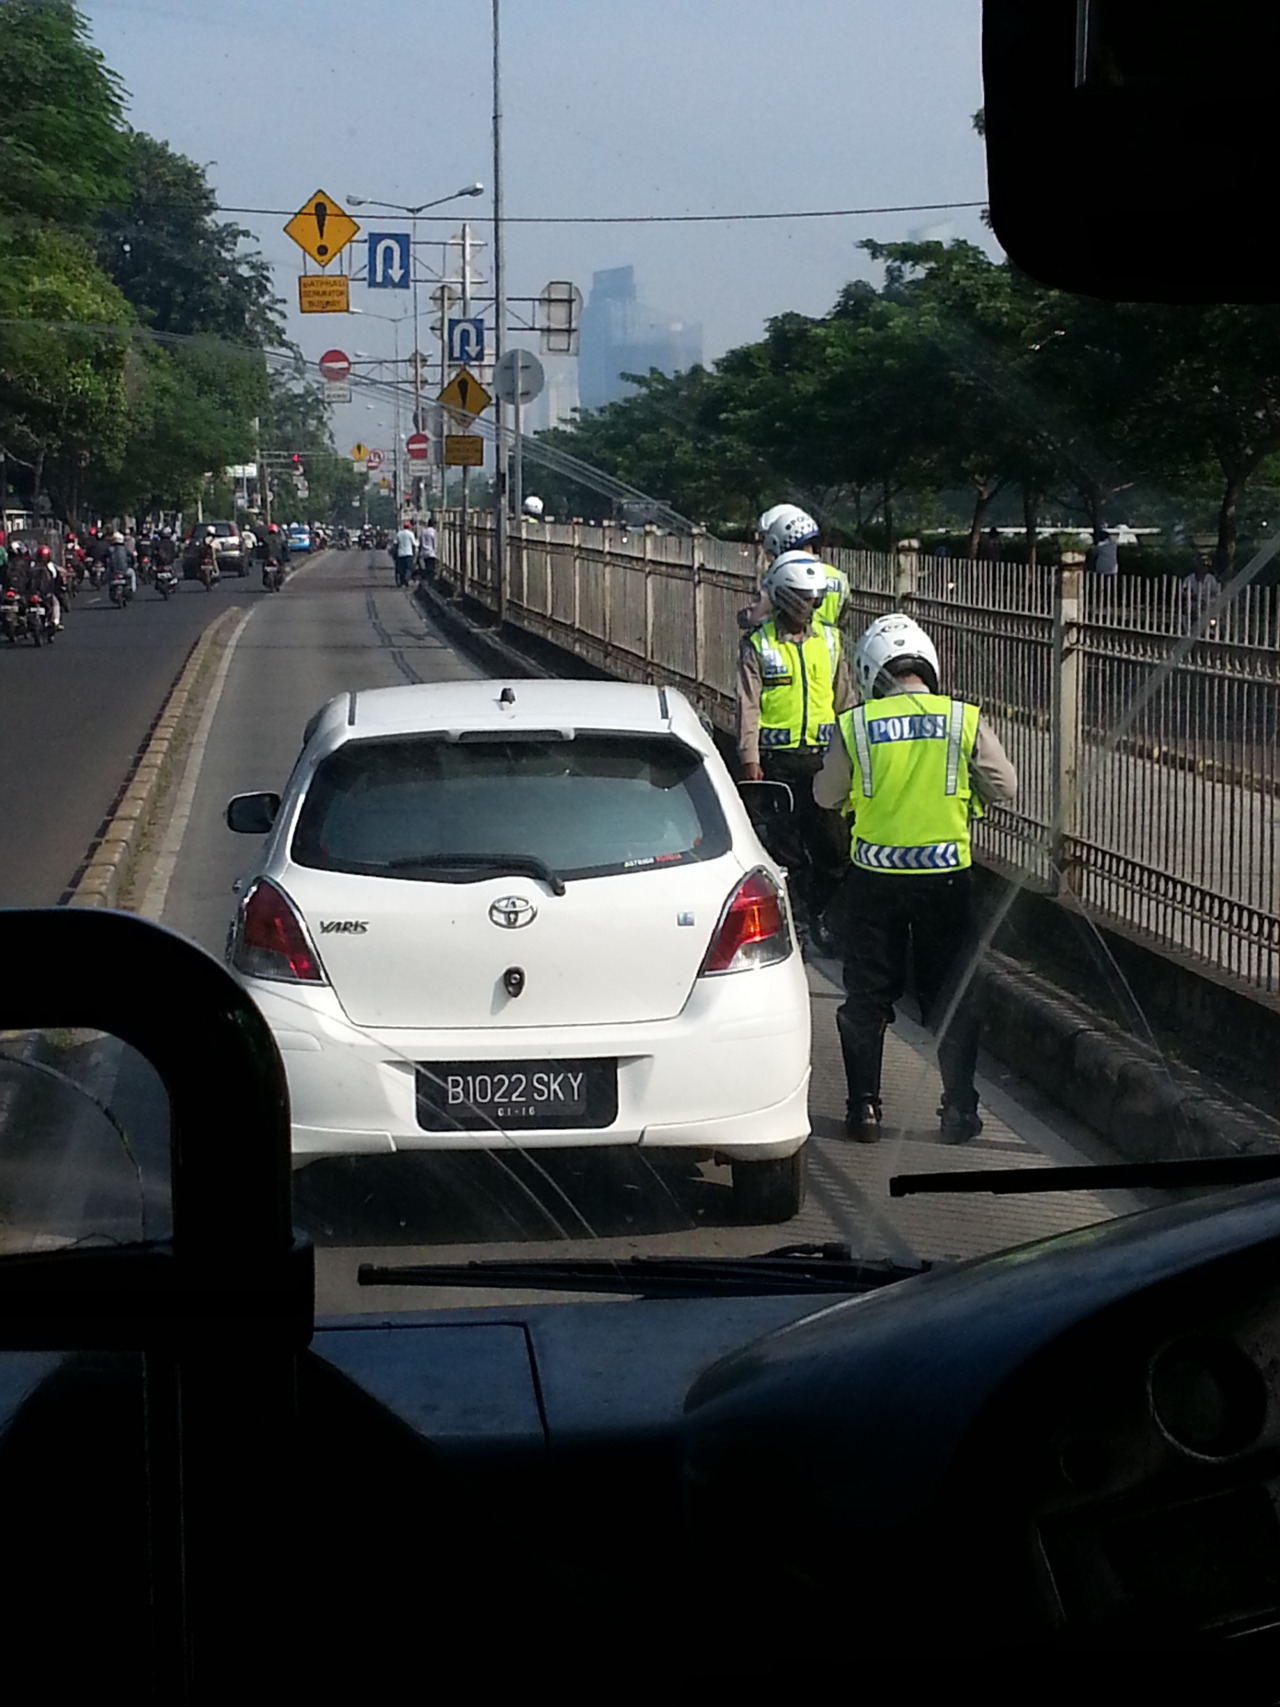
<point>935,856</point>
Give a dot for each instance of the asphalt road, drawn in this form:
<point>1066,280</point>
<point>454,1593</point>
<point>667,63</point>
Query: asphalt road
<point>74,716</point>
<point>340,624</point>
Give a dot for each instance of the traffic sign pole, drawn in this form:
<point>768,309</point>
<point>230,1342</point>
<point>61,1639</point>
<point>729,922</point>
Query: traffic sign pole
<point>499,320</point>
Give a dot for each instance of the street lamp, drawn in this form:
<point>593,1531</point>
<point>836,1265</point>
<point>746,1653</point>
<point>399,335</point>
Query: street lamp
<point>414,211</point>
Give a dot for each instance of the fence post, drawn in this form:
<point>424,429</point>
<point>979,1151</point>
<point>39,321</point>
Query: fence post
<point>1065,721</point>
<point>906,572</point>
<point>648,596</point>
<point>575,560</point>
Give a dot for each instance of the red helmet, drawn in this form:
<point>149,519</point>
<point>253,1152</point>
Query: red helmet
<point>43,553</point>
<point>273,528</point>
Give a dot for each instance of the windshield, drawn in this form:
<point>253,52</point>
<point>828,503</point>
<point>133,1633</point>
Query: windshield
<point>585,807</point>
<point>586,986</point>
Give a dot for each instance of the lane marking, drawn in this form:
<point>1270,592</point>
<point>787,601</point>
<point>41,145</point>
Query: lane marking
<point>175,831</point>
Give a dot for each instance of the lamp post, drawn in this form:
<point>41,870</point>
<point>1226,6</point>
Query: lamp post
<point>415,210</point>
<point>395,324</point>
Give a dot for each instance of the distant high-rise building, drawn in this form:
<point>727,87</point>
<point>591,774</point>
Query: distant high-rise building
<point>621,335</point>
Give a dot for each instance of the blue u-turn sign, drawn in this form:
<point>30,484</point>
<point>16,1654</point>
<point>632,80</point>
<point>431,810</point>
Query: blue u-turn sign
<point>390,260</point>
<point>466,339</point>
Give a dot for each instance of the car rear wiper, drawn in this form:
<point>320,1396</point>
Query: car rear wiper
<point>1105,1176</point>
<point>477,866</point>
<point>792,1269</point>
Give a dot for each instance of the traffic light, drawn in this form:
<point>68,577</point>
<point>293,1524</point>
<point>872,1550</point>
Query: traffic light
<point>296,462</point>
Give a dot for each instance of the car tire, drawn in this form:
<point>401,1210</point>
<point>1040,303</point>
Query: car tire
<point>768,1192</point>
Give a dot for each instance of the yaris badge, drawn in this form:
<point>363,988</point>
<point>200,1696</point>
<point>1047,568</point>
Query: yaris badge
<point>513,911</point>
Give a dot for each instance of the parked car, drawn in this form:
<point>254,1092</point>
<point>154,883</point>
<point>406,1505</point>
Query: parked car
<point>432,988</point>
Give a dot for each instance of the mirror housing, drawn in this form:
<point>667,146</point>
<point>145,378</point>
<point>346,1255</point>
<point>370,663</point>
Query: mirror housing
<point>1127,143</point>
<point>766,802</point>
<point>252,814</point>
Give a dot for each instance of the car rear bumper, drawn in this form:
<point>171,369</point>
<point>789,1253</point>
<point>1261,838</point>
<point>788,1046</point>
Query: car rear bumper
<point>728,1077</point>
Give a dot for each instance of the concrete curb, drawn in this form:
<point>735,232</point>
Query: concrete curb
<point>101,882</point>
<point>1146,1108</point>
<point>496,653</point>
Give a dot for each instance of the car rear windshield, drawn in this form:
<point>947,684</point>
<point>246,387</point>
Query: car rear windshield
<point>594,805</point>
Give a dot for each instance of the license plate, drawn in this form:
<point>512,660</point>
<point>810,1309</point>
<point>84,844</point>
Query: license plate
<point>514,1096</point>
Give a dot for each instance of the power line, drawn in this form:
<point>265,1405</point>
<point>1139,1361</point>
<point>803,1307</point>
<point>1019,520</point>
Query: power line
<point>661,218</point>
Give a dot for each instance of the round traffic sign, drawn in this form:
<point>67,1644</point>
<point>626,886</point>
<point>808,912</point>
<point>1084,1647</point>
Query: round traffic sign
<point>418,445</point>
<point>373,460</point>
<point>518,377</point>
<point>335,365</point>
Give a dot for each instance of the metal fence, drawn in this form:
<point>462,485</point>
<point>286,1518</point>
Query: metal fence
<point>1146,758</point>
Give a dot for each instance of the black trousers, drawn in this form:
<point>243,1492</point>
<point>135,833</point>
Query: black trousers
<point>888,917</point>
<point>814,844</point>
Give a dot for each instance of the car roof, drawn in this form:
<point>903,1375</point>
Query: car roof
<point>539,704</point>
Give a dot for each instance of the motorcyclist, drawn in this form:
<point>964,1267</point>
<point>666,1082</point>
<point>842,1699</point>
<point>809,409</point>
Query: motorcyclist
<point>793,682</point>
<point>117,561</point>
<point>42,578</point>
<point>166,552</point>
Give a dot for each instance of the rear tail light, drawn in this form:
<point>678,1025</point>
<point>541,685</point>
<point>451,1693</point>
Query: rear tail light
<point>270,940</point>
<point>752,930</point>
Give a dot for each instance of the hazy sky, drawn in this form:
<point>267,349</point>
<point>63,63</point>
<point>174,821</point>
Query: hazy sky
<point>635,107</point>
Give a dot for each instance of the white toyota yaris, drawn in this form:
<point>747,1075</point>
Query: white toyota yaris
<point>532,911</point>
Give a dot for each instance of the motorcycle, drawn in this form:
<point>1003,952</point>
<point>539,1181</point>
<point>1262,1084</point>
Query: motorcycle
<point>166,582</point>
<point>273,577</point>
<point>209,571</point>
<point>40,624</point>
<point>118,591</point>
<point>13,616</point>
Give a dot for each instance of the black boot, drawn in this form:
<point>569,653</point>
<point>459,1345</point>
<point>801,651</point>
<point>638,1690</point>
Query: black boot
<point>862,1122</point>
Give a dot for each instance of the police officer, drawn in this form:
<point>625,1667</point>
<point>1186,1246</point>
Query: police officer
<point>909,767</point>
<point>793,680</point>
<point>786,527</point>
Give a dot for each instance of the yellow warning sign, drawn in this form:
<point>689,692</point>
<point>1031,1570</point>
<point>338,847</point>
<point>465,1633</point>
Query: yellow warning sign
<point>357,453</point>
<point>463,450</point>
<point>465,393</point>
<point>385,484</point>
<point>322,228</point>
<point>320,295</point>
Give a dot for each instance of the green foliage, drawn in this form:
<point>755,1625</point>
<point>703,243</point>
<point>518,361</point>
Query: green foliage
<point>61,147</point>
<point>959,382</point>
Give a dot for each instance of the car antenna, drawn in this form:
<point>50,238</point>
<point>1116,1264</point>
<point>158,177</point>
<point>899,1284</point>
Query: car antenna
<point>507,696</point>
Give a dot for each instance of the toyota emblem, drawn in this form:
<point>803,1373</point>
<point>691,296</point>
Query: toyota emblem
<point>513,911</point>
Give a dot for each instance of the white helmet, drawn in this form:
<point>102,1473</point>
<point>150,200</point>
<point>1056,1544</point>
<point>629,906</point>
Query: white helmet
<point>894,640</point>
<point>788,527</point>
<point>532,506</point>
<point>795,584</point>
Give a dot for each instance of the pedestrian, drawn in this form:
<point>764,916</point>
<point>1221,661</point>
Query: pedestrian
<point>793,680</point>
<point>909,768</point>
<point>405,550</point>
<point>989,546</point>
<point>427,548</point>
<point>1200,588</point>
<point>1105,554</point>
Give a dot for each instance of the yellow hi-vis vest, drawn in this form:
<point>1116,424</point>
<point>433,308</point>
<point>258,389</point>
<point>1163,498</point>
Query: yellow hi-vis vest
<point>836,594</point>
<point>910,797</point>
<point>797,687</point>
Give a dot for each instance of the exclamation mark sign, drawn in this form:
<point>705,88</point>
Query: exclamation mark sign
<point>464,388</point>
<point>322,214</point>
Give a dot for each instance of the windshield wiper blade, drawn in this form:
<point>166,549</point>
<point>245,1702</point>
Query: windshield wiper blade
<point>1105,1176</point>
<point>794,1268</point>
<point>482,865</point>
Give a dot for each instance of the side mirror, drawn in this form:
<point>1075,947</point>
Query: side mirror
<point>766,802</point>
<point>252,814</point>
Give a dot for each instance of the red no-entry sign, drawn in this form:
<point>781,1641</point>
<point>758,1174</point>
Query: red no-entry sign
<point>417,445</point>
<point>335,364</point>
